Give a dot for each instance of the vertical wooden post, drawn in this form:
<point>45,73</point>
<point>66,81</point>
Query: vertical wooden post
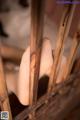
<point>37,15</point>
<point>4,101</point>
<point>63,32</point>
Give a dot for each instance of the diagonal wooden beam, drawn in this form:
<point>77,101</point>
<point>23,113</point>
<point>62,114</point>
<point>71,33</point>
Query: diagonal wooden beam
<point>63,99</point>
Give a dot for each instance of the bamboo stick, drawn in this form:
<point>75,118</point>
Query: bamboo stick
<point>72,55</point>
<point>62,35</point>
<point>5,106</point>
<point>37,15</point>
<point>70,59</point>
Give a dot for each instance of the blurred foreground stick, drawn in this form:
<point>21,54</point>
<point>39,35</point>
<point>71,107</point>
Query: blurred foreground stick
<point>11,53</point>
<point>4,100</point>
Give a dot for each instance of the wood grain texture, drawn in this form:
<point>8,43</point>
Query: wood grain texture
<point>62,35</point>
<point>37,18</point>
<point>72,54</point>
<point>5,106</point>
<point>70,59</point>
<point>64,98</point>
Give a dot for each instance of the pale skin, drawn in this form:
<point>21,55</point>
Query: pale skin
<point>18,24</point>
<point>18,82</point>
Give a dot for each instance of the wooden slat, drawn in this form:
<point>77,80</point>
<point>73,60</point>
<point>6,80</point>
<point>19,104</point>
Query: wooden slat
<point>37,15</point>
<point>4,101</point>
<point>63,32</point>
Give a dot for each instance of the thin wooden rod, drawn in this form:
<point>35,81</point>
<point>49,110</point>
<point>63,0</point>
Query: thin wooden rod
<point>5,106</point>
<point>72,55</point>
<point>37,18</point>
<point>62,35</point>
<point>70,58</point>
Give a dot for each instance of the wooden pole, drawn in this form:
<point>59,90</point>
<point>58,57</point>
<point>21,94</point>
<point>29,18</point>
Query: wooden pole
<point>5,106</point>
<point>63,32</point>
<point>70,58</point>
<point>72,55</point>
<point>37,17</point>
